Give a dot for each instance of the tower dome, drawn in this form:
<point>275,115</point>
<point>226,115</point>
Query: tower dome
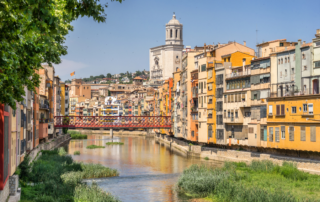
<point>174,21</point>
<point>174,31</point>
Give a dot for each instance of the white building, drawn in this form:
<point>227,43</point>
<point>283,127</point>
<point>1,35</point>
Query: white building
<point>166,58</point>
<point>111,106</point>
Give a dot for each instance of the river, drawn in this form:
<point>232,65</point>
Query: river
<point>148,170</point>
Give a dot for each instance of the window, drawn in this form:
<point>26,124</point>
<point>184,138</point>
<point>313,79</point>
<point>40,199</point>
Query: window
<point>236,114</point>
<point>302,133</point>
<point>84,87</point>
<point>199,114</point>
<point>210,86</point>
<point>228,114</point>
<point>177,58</point>
<point>294,110</point>
<point>280,74</point>
<point>277,134</point>
<point>210,74</point>
<point>312,133</point>
<point>270,109</point>
<point>305,108</point>
<point>281,44</point>
<point>225,113</point>
<point>210,131</point>
<point>283,132</point>
<point>203,68</point>
<point>279,61</point>
<point>310,106</point>
<point>280,110</point>
<point>305,68</point>
<point>255,96</point>
<point>317,43</point>
<point>317,64</point>
<point>285,73</point>
<point>270,134</point>
<point>303,56</point>
<point>286,60</point>
<point>170,33</point>
<point>291,133</point>
<point>204,85</point>
<point>250,130</point>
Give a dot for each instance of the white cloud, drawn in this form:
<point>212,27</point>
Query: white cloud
<point>68,66</point>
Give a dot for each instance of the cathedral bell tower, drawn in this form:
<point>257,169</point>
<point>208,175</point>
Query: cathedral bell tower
<point>174,32</point>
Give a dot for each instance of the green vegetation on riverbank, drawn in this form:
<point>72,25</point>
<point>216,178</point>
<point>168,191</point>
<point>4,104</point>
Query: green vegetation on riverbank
<point>76,153</point>
<point>77,135</point>
<point>56,177</point>
<point>114,143</point>
<point>94,147</point>
<point>259,181</point>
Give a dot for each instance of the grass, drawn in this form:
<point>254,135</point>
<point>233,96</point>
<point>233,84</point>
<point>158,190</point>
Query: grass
<point>259,181</point>
<point>94,147</point>
<point>114,143</point>
<point>206,158</point>
<point>57,177</point>
<point>77,136</point>
<point>76,153</point>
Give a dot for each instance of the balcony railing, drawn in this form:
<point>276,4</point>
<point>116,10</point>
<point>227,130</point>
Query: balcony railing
<point>44,106</point>
<point>238,74</point>
<point>291,92</point>
<point>44,121</point>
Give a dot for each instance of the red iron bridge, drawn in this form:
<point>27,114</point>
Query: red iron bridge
<point>112,122</point>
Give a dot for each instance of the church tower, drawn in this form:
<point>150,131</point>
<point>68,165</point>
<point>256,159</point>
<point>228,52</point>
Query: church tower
<point>174,32</point>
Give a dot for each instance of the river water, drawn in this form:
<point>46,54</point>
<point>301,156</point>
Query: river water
<point>148,170</point>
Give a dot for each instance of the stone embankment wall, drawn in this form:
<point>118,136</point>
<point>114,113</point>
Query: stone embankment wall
<point>54,143</point>
<point>308,165</point>
<point>115,132</point>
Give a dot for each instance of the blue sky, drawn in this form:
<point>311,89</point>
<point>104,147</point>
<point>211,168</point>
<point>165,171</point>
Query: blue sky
<point>134,26</point>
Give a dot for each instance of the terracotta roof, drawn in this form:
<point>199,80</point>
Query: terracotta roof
<point>273,41</point>
<point>137,78</point>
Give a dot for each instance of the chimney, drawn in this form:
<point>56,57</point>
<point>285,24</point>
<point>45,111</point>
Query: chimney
<point>204,47</point>
<point>318,31</point>
<point>304,42</point>
<point>219,45</point>
<point>299,42</point>
<point>244,43</point>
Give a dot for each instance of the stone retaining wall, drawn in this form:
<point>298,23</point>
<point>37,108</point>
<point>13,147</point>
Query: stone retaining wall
<point>308,165</point>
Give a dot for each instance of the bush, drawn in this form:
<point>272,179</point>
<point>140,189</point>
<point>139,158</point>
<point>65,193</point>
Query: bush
<point>65,130</point>
<point>76,153</point>
<point>94,147</point>
<point>62,152</point>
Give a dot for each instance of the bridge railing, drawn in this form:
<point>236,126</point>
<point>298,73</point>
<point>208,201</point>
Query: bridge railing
<point>112,121</point>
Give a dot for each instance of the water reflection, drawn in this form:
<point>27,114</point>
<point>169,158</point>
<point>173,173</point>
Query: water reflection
<point>148,170</point>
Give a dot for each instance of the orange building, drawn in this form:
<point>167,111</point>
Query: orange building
<point>194,105</point>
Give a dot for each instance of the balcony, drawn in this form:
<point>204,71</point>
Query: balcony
<point>292,92</point>
<point>238,74</point>
<point>209,116</point>
<point>44,106</point>
<point>44,121</point>
<point>194,109</point>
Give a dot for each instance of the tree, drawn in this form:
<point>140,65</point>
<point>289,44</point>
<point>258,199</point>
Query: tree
<point>33,32</point>
<point>109,75</point>
<point>138,73</point>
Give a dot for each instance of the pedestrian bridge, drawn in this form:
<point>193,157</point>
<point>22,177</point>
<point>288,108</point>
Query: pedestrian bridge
<point>112,122</point>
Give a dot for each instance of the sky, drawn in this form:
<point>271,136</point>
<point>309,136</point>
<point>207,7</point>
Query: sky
<point>132,27</point>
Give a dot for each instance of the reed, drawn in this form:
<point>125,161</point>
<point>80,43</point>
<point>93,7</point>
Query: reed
<point>114,143</point>
<point>94,147</point>
<point>92,193</point>
<point>259,181</point>
<point>77,135</point>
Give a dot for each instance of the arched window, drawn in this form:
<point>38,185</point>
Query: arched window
<point>281,60</point>
<point>176,33</point>
<point>303,56</point>
<point>170,33</point>
<point>286,60</point>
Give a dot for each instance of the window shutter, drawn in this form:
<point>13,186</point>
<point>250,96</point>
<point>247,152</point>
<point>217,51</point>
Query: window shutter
<point>258,95</point>
<point>270,109</point>
<point>6,147</point>
<point>270,134</point>
<point>263,111</point>
<point>277,134</point>
<point>282,109</point>
<point>278,109</point>
<point>310,106</point>
<point>243,96</point>
<point>252,95</point>
<point>302,133</point>
<point>217,79</point>
<point>313,134</point>
<point>250,130</point>
<point>291,133</point>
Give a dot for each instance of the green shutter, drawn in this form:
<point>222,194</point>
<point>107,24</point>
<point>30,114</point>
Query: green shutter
<point>313,134</point>
<point>302,133</point>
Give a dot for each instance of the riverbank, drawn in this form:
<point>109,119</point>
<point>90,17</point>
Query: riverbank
<point>115,132</point>
<point>258,181</point>
<point>54,176</point>
<point>218,154</point>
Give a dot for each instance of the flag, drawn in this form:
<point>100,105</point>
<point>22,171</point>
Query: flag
<point>73,73</point>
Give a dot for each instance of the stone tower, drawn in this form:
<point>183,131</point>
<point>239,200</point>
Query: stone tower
<point>174,32</point>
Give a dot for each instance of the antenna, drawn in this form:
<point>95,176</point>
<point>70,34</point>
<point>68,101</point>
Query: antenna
<point>257,36</point>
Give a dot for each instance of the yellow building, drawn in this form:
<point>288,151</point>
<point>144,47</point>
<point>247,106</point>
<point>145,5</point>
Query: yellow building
<point>294,123</point>
<point>62,96</point>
